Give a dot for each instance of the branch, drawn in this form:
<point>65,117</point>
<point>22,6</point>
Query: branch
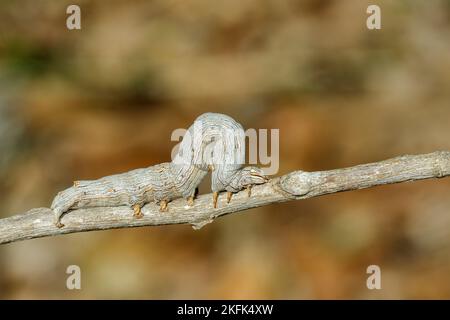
<point>295,185</point>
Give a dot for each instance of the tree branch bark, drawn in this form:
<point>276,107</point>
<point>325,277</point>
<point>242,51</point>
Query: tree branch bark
<point>295,185</point>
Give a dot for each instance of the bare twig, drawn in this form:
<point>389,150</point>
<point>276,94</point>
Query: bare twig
<point>295,185</point>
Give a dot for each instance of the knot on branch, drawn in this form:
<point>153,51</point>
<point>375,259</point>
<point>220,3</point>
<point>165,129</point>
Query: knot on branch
<point>297,183</point>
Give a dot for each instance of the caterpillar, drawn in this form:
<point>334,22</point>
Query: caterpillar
<point>213,143</point>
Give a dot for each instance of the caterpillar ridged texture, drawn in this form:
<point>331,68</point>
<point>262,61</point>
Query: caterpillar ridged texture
<point>214,142</point>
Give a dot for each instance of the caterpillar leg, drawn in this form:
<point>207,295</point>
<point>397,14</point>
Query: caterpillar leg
<point>229,195</point>
<point>63,202</point>
<point>215,198</point>
<point>191,198</point>
<point>57,219</point>
<point>249,190</point>
<point>163,206</point>
<point>59,225</point>
<point>137,213</point>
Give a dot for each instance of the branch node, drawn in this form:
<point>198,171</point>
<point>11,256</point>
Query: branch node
<point>297,183</point>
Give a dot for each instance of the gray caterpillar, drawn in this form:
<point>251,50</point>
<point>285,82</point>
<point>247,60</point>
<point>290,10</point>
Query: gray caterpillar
<point>215,142</point>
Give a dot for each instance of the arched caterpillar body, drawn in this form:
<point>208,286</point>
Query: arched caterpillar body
<point>215,142</point>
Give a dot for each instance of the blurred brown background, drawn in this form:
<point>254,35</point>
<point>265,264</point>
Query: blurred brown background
<point>105,99</point>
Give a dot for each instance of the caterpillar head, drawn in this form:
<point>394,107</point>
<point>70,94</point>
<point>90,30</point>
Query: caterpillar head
<point>251,176</point>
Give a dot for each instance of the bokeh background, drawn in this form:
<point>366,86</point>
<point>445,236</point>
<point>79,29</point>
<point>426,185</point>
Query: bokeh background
<point>105,99</point>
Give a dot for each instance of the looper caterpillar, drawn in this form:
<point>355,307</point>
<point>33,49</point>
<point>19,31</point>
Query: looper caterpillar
<point>215,142</point>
